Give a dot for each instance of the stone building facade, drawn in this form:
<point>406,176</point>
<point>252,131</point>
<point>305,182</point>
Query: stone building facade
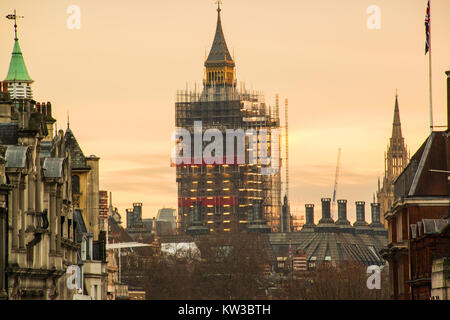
<point>38,232</point>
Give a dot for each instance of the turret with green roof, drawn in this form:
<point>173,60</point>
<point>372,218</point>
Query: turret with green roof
<point>17,68</point>
<point>18,79</point>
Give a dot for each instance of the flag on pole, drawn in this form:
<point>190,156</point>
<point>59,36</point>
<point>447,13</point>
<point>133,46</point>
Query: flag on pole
<point>427,28</point>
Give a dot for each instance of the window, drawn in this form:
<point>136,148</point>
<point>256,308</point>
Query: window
<point>75,184</point>
<point>94,292</point>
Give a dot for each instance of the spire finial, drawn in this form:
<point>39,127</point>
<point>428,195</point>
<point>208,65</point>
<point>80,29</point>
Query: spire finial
<point>68,120</point>
<point>396,93</point>
<point>14,17</point>
<point>219,2</point>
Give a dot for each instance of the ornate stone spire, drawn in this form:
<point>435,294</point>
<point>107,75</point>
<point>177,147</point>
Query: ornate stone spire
<point>397,156</point>
<point>396,125</point>
<point>395,160</point>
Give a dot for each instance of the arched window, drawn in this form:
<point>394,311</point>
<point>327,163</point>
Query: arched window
<point>75,184</point>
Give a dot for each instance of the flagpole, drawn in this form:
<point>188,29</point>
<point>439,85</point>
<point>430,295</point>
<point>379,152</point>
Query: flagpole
<point>430,71</point>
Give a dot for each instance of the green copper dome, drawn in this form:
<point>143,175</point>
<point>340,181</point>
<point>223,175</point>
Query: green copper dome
<point>17,69</point>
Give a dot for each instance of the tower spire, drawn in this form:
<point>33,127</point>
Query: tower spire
<point>396,125</point>
<point>219,64</point>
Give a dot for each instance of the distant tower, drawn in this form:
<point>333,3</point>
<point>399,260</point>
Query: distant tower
<point>286,217</point>
<point>220,191</point>
<point>18,80</point>
<point>396,159</point>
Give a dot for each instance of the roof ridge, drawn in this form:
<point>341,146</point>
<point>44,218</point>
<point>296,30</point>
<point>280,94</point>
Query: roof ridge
<point>424,157</point>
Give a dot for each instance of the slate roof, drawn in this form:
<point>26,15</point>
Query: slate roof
<point>219,50</point>
<point>416,178</point>
<point>53,167</point>
<point>16,156</point>
<point>77,156</point>
<point>8,133</point>
<point>46,149</point>
<point>340,246</point>
<point>81,226</point>
<point>117,232</point>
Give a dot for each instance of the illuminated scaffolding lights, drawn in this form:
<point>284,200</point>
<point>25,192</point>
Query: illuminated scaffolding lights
<point>249,106</point>
<point>214,201</point>
<point>190,163</point>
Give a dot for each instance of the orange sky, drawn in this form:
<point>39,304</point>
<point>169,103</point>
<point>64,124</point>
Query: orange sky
<point>118,75</point>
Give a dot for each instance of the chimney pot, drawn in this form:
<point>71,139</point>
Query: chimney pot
<point>49,108</point>
<point>4,86</point>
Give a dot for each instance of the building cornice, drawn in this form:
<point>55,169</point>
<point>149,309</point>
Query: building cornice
<point>438,201</point>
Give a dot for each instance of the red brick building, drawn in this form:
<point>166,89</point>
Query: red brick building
<point>430,241</point>
<point>420,192</point>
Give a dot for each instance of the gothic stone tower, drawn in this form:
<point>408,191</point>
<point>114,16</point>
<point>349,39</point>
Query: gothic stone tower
<point>222,194</point>
<point>396,159</point>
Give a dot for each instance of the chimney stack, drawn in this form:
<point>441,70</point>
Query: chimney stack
<point>309,208</point>
<point>375,212</point>
<point>342,213</point>
<point>376,216</point>
<point>326,212</point>
<point>360,214</point>
<point>46,111</point>
<point>448,98</point>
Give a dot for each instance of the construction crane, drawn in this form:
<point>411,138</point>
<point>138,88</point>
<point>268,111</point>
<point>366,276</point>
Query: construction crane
<point>336,177</point>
